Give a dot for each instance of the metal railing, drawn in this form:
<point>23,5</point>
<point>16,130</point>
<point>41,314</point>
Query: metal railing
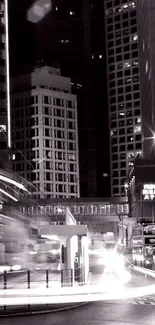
<point>30,279</point>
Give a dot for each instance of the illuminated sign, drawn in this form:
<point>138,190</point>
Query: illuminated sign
<point>150,241</point>
<point>149,191</point>
<point>149,229</point>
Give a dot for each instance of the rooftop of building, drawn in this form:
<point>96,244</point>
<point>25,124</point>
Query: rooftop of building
<point>44,76</point>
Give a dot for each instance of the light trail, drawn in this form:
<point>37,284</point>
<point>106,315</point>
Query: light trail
<point>9,195</point>
<point>83,293</point>
<point>66,295</point>
<point>11,181</point>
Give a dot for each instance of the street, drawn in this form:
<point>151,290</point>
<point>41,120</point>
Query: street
<point>131,311</point>
<point>136,311</point>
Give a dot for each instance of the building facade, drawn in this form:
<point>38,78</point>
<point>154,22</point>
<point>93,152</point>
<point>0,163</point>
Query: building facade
<point>123,90</point>
<point>146,12</point>
<point>5,127</point>
<point>141,191</point>
<point>44,132</point>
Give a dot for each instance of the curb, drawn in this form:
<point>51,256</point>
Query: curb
<point>141,269</point>
<point>40,312</point>
<point>146,271</point>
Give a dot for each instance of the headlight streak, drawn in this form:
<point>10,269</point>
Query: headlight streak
<point>9,195</point>
<point>68,295</point>
<point>11,181</point>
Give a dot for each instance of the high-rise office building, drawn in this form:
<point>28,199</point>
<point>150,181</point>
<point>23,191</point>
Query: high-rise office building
<point>76,41</point>
<point>146,32</point>
<point>5,131</point>
<point>44,133</point>
<point>123,90</point>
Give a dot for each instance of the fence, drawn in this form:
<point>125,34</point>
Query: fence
<point>31,279</point>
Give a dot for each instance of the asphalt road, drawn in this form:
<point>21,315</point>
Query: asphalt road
<point>137,311</point>
<point>133,312</point>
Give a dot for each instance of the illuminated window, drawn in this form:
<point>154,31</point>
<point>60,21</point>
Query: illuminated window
<point>130,139</point>
<point>135,62</point>
<point>146,66</point>
<point>113,132</point>
<point>125,6</point>
<point>138,120</point>
<point>133,4</point>
<point>121,114</point>
<point>134,38</point>
<point>139,154</point>
<point>100,56</point>
<point>130,155</point>
<point>2,128</point>
<point>137,128</point>
<point>130,164</point>
<point>118,9</point>
<point>13,156</point>
<point>127,64</point>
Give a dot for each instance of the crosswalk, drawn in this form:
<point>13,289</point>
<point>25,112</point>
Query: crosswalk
<point>147,300</point>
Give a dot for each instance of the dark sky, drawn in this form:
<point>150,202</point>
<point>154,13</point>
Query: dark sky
<point>22,36</point>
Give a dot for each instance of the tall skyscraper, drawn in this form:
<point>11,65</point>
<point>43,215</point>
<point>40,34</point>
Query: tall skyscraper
<point>45,135</point>
<point>76,41</point>
<point>146,33</point>
<point>5,130</point>
<point>123,90</point>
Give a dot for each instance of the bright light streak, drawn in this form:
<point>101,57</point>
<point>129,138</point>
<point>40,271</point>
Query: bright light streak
<point>16,267</point>
<point>54,251</point>
<point>87,293</point>
<point>11,181</point>
<point>52,237</point>
<point>60,210</point>
<point>113,261</point>
<point>8,74</point>
<point>69,295</point>
<point>6,217</point>
<point>4,268</point>
<point>9,195</point>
